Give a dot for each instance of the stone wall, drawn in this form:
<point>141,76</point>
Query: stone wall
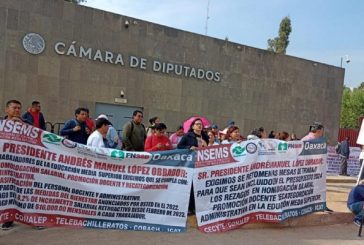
<point>257,88</point>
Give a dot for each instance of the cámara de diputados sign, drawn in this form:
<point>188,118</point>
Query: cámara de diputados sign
<point>35,44</point>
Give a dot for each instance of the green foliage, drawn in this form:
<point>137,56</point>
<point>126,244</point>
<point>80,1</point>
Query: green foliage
<point>76,1</point>
<point>280,43</point>
<point>352,107</point>
<point>361,86</point>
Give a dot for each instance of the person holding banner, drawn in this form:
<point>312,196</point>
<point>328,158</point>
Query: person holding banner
<point>13,112</point>
<point>194,139</point>
<point>316,132</point>
<point>232,136</point>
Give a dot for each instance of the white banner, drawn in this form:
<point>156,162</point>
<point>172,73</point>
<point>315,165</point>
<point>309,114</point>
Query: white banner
<point>333,161</point>
<point>258,181</point>
<point>46,180</point>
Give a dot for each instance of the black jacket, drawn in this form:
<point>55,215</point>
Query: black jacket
<point>27,117</point>
<point>190,139</point>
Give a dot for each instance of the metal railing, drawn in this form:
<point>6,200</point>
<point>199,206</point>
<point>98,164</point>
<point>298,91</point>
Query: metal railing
<point>54,127</point>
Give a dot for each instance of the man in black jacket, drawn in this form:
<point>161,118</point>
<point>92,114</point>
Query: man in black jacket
<point>344,156</point>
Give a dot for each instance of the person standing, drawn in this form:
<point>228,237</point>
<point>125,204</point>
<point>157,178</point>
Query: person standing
<point>195,138</point>
<point>76,129</point>
<point>34,116</point>
<point>232,136</point>
<point>316,132</point>
<point>13,112</point>
<point>176,137</point>
<point>96,139</point>
<point>344,156</point>
<point>89,121</point>
<point>151,128</point>
<point>134,133</point>
<point>158,141</point>
<point>112,138</point>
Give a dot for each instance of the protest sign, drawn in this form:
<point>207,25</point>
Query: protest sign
<point>334,161</point>
<point>46,180</point>
<point>258,181</point>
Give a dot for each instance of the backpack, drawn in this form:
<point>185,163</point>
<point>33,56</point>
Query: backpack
<point>338,148</point>
<point>131,131</point>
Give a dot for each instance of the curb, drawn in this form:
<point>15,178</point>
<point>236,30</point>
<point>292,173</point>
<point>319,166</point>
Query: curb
<point>313,219</point>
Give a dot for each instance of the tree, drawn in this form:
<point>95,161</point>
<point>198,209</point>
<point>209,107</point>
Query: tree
<point>280,43</point>
<point>361,86</point>
<point>352,107</point>
<point>76,1</point>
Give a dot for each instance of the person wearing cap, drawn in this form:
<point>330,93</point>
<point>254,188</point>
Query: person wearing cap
<point>215,131</point>
<point>96,139</point>
<point>316,131</point>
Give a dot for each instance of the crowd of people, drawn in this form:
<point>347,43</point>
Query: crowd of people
<point>136,137</point>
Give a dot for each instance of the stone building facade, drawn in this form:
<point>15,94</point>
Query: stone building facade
<point>66,56</point>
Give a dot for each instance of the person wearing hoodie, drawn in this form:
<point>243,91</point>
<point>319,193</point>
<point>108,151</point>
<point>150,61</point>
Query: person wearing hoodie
<point>34,116</point>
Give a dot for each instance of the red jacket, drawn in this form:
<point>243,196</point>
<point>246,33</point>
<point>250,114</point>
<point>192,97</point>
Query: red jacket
<point>152,141</point>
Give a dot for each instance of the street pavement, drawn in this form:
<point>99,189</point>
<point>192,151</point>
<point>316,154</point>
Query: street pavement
<point>311,235</point>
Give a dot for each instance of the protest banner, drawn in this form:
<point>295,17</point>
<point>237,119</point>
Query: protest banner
<point>258,181</point>
<point>334,161</point>
<point>47,180</point>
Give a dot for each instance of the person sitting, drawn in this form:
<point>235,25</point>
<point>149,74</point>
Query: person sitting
<point>355,202</point>
<point>158,141</point>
